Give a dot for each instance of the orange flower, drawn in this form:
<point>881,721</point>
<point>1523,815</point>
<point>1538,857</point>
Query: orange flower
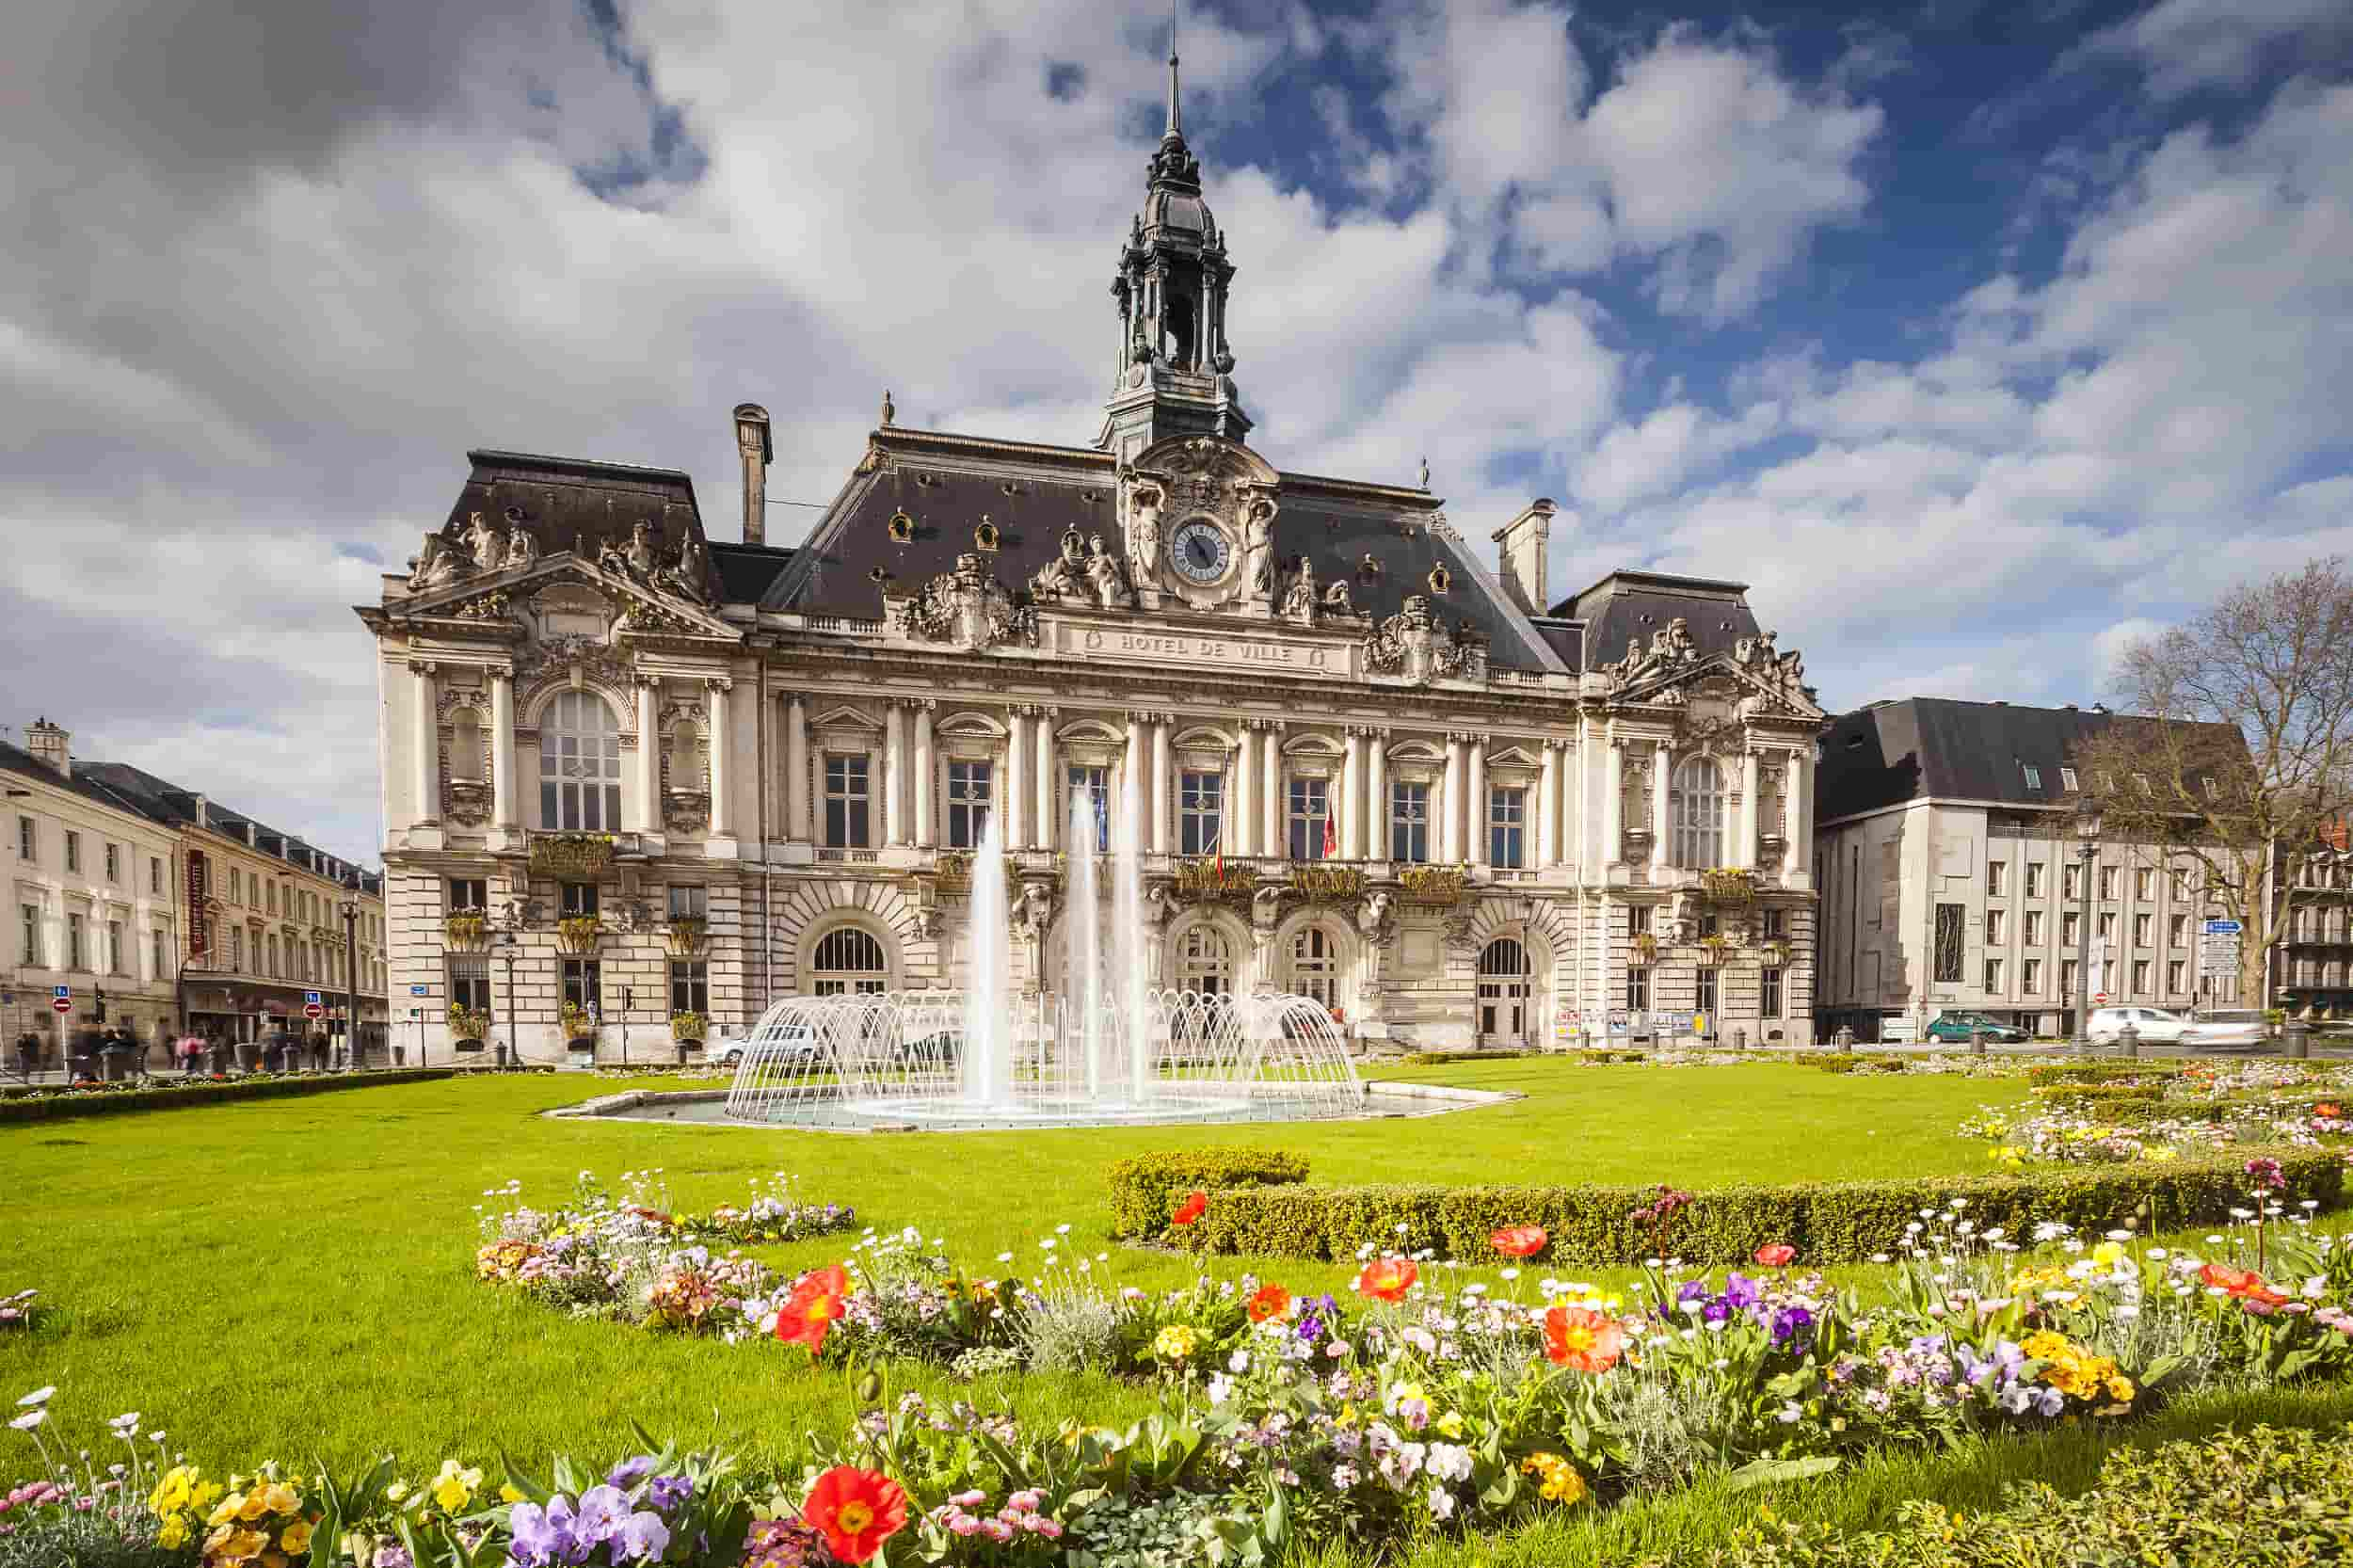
<point>859,1510</point>
<point>1777,1255</point>
<point>809,1313</point>
<point>1520,1240</point>
<point>1387,1279</point>
<point>1271,1300</point>
<point>2238,1282</point>
<point>2329,1109</point>
<point>1191,1209</point>
<point>1582,1340</point>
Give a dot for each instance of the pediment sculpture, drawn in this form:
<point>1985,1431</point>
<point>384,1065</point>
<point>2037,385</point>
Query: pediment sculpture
<point>1107,578</point>
<point>1417,642</point>
<point>969,607</point>
<point>1783,674</point>
<point>1063,577</point>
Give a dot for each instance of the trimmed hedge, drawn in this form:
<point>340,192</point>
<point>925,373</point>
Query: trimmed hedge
<point>1827,1221</point>
<point>1146,1188</point>
<point>2112,1070</point>
<point>100,1102</point>
<point>1851,1061</point>
<point>2093,1098</point>
<point>1440,1058</point>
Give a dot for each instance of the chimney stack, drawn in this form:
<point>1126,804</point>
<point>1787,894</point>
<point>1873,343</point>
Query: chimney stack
<point>751,439</point>
<point>1520,561</point>
<point>50,743</point>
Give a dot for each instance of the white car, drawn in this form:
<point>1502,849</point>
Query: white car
<point>797,1046</point>
<point>2155,1025</point>
<point>2239,1027</point>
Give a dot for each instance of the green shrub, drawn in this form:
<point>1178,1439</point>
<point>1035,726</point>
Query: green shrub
<point>1440,1058</point>
<point>1827,1221</point>
<point>2236,1499</point>
<point>2088,1098</point>
<point>102,1102</point>
<point>1146,1188</point>
<point>2112,1070</point>
<point>1851,1061</point>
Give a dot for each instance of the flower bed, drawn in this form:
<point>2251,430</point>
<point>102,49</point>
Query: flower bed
<point>1602,1227</point>
<point>175,1093</point>
<point>2199,1110</point>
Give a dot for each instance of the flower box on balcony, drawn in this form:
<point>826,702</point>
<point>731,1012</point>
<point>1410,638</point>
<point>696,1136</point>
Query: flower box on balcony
<point>466,931</point>
<point>1774,955</point>
<point>1442,885</point>
<point>1643,948</point>
<point>571,855</point>
<point>578,1026</point>
<point>1712,949</point>
<point>1324,884</point>
<point>688,1029</point>
<point>1203,876</point>
<point>952,870</point>
<point>1729,884</point>
<point>578,934</point>
<point>687,935</point>
<point>468,1026</point>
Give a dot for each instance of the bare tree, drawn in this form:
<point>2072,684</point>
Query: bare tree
<point>2239,745</point>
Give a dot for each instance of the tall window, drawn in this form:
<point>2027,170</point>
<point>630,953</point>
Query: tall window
<point>1204,961</point>
<point>577,898</point>
<point>1637,917</point>
<point>2030,976</point>
<point>689,902</point>
<point>114,862</point>
<point>74,852</point>
<point>73,942</point>
<point>1769,994</point>
<point>1310,808</point>
<point>1409,824</point>
<point>1994,974</point>
<point>30,916</point>
<point>269,960</point>
<point>1315,966</point>
<point>115,956</point>
<point>2106,925</point>
<point>1707,992</point>
<point>25,839</point>
<point>2177,931</point>
<point>237,947</point>
<point>2107,882</point>
<point>2176,976</point>
<point>1993,924</point>
<point>1995,871</point>
<point>158,964</point>
<point>1698,800</point>
<point>470,980</point>
<point>1507,827</point>
<point>2072,881</point>
<point>2143,932</point>
<point>1200,813</point>
<point>849,963</point>
<point>2071,928</point>
<point>468,892</point>
<point>1638,988</point>
<point>2070,977</point>
<point>2034,879</point>
<point>2144,882</point>
<point>847,802</point>
<point>580,764</point>
<point>269,897</point>
<point>584,982</point>
<point>1950,925</point>
<point>690,986</point>
<point>154,875</point>
<point>1093,786</point>
<point>2140,977</point>
<point>968,803</point>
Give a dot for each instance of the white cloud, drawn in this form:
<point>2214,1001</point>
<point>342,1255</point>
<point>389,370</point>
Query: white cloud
<point>2187,44</point>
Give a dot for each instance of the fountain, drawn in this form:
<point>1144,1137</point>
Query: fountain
<point>1106,1048</point>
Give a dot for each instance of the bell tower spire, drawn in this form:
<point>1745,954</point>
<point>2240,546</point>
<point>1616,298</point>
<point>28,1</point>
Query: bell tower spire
<point>1173,371</point>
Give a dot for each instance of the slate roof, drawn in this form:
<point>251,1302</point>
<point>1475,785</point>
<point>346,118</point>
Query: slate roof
<point>577,504</point>
<point>1033,494</point>
<point>1627,606</point>
<point>173,805</point>
<point>746,572</point>
<point>1937,749</point>
<point>17,760</point>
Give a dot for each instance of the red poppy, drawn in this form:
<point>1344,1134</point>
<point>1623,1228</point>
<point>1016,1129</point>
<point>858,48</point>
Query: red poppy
<point>1271,1300</point>
<point>1582,1340</point>
<point>654,1214</point>
<point>859,1510</point>
<point>1520,1240</point>
<point>2238,1282</point>
<point>2329,1109</point>
<point>809,1313</point>
<point>1777,1255</point>
<point>1191,1209</point>
<point>1387,1279</point>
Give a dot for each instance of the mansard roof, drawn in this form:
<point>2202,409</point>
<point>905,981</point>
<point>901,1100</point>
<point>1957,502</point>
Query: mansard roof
<point>947,485</point>
<point>1631,606</point>
<point>576,504</point>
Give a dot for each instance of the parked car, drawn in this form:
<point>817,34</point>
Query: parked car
<point>1959,1027</point>
<point>796,1046</point>
<point>2155,1025</point>
<point>937,1049</point>
<point>2239,1029</point>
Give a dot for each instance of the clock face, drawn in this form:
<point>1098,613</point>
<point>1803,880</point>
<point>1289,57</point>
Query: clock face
<point>1199,551</point>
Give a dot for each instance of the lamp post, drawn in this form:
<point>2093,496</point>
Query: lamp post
<point>350,912</point>
<point>507,950</point>
<point>628,995</point>
<point>2088,849</point>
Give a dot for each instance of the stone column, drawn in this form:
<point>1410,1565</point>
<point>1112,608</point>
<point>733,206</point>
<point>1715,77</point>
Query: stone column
<point>926,776</point>
<point>894,775</point>
<point>1241,831</point>
<point>1271,792</point>
<point>648,790</point>
<point>1474,809</point>
<point>1350,805</point>
<point>427,738</point>
<point>1162,802</point>
<point>1612,802</point>
<point>1134,788</point>
<point>796,788</point>
<point>1048,820</point>
<point>1012,798</point>
<point>1549,809</point>
<point>1797,805</point>
<point>1377,799</point>
<point>1450,819</point>
<point>1746,853</point>
<point>503,749</point>
<point>722,742</point>
<point>1658,818</point>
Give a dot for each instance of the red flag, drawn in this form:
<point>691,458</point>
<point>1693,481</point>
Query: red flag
<point>1331,837</point>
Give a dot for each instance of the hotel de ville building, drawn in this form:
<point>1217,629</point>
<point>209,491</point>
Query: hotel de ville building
<point>639,781</point>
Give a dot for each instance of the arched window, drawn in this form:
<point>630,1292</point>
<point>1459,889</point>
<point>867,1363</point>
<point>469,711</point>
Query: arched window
<point>1205,963</point>
<point>850,962</point>
<point>1315,966</point>
<point>1698,799</point>
<point>580,765</point>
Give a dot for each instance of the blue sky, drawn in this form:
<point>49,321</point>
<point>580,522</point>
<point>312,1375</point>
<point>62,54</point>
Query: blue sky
<point>1979,339</point>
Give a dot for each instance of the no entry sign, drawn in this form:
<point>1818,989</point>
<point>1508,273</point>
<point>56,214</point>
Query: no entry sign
<point>2098,999</point>
<point>312,1010</point>
<point>61,1004</point>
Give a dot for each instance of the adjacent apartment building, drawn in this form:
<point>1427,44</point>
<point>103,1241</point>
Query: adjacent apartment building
<point>1950,869</point>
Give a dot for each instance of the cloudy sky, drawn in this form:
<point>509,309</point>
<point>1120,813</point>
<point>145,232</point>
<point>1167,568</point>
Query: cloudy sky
<point>1976,337</point>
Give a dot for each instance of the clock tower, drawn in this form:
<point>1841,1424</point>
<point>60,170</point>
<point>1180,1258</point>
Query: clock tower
<point>1173,375</point>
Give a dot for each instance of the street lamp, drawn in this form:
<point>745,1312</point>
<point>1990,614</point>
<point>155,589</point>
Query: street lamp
<point>350,912</point>
<point>2088,849</point>
<point>628,995</point>
<point>507,946</point>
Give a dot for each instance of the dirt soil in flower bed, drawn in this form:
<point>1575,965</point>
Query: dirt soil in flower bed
<point>336,1232</point>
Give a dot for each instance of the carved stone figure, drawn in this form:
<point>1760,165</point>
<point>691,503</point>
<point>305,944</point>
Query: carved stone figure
<point>1110,580</point>
<point>1372,917</point>
<point>1266,912</point>
<point>486,544</point>
<point>685,576</point>
<point>969,607</point>
<point>1036,910</point>
<point>522,548</point>
<point>641,555</point>
<point>438,563</point>
<point>1258,551</point>
<point>609,558</point>
<point>1336,598</point>
<point>1145,500</point>
<point>1299,594</point>
<point>1416,644</point>
<point>1065,575</point>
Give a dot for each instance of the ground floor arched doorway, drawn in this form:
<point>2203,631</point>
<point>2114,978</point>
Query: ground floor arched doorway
<point>1506,1006</point>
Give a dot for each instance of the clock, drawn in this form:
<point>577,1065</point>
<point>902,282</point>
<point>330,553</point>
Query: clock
<point>1200,551</point>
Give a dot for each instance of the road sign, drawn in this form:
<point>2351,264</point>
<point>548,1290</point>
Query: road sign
<point>312,1010</point>
<point>61,1004</point>
<point>2098,999</point>
<point>419,990</point>
<point>311,999</point>
<point>63,993</point>
<point>2224,928</point>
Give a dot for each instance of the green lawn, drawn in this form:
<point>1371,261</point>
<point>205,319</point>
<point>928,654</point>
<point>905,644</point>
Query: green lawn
<point>261,1278</point>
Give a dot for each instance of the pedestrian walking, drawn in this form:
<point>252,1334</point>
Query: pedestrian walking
<point>27,1054</point>
<point>318,1053</point>
<point>190,1050</point>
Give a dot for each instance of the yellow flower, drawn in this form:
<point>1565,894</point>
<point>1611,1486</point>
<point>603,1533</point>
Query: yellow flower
<point>174,1534</point>
<point>1451,1423</point>
<point>2120,1389</point>
<point>282,1498</point>
<point>231,1507</point>
<point>244,1544</point>
<point>295,1538</point>
<point>454,1488</point>
<point>508,1493</point>
<point>1174,1342</point>
<point>2107,1252</point>
<point>206,1494</point>
<point>2162,1153</point>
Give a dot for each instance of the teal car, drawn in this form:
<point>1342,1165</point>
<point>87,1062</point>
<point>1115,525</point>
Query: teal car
<point>1957,1027</point>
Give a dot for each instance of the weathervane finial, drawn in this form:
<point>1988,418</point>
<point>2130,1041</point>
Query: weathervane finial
<point>1176,116</point>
